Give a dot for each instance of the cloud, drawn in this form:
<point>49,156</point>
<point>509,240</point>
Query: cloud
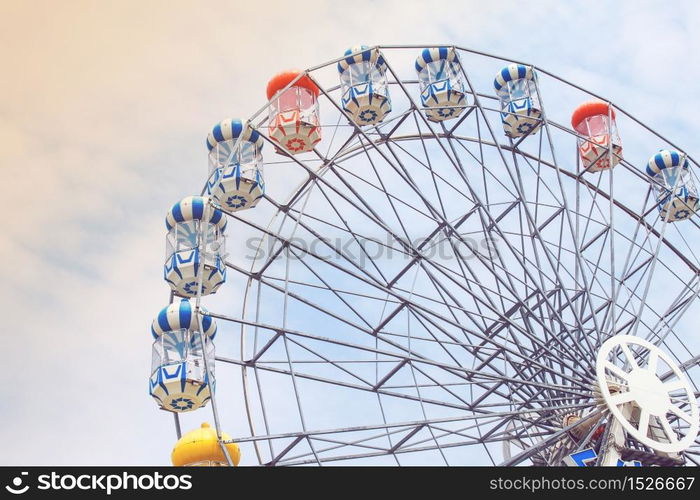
<point>103,116</point>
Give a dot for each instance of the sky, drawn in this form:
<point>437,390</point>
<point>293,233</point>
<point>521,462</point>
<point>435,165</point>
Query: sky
<point>104,109</point>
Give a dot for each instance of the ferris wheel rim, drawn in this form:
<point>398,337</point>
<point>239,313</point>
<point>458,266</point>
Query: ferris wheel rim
<point>695,268</point>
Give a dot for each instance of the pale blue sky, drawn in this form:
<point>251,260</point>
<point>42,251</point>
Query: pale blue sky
<point>104,110</point>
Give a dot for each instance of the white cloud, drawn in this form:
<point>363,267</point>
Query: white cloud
<point>103,117</point>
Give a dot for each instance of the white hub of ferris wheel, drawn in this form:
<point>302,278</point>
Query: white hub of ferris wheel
<point>644,402</point>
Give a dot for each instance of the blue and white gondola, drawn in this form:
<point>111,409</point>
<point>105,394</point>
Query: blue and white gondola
<point>520,104</point>
<point>364,88</point>
<point>443,95</point>
<point>179,381</point>
<point>676,193</point>
<point>235,165</point>
<point>191,223</point>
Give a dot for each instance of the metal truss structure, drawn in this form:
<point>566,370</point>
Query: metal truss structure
<point>438,293</point>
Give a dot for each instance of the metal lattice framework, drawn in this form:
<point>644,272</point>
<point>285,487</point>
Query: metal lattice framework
<point>438,292</point>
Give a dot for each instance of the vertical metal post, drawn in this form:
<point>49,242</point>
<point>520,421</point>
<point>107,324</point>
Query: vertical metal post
<point>202,244</point>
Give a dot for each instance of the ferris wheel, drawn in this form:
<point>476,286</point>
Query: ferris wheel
<point>442,268</point>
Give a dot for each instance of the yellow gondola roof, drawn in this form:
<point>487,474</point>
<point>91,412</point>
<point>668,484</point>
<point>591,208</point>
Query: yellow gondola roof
<point>201,445</point>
